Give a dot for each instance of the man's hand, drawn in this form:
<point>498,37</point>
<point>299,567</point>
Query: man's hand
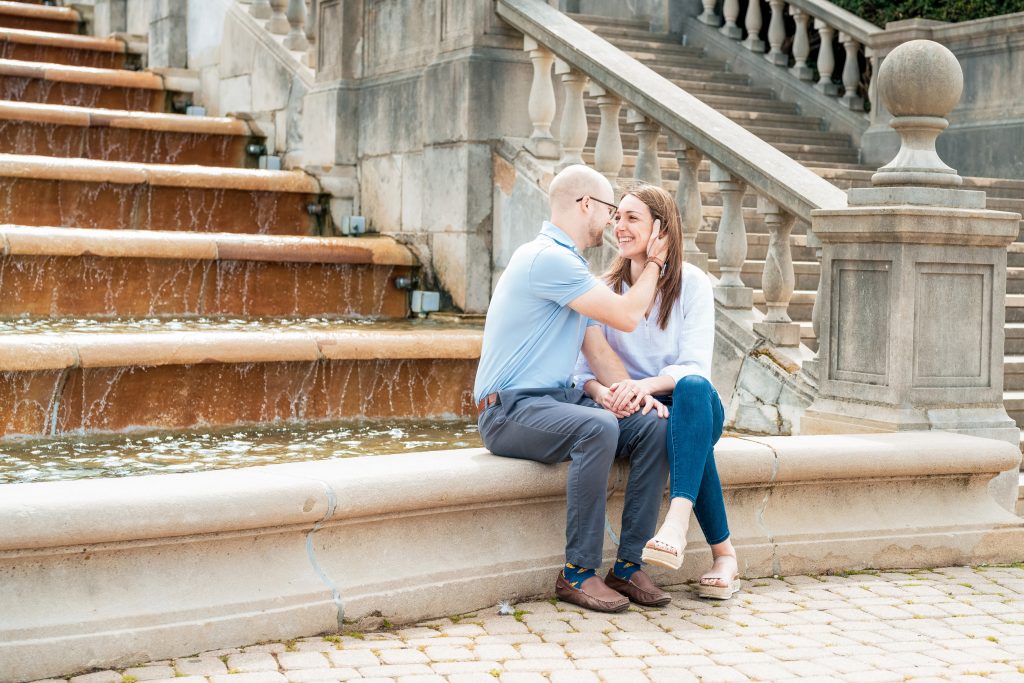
<point>627,394</point>
<point>603,396</point>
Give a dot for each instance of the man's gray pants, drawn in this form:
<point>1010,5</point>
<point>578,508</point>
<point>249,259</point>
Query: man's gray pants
<point>555,425</point>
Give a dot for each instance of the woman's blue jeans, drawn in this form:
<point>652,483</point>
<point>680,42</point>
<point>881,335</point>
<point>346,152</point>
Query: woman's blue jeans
<point>695,425</point>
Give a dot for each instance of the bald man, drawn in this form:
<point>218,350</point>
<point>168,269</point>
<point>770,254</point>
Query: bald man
<point>529,408</point>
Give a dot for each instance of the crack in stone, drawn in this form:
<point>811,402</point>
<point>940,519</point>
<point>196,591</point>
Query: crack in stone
<point>332,504</point>
<point>776,563</point>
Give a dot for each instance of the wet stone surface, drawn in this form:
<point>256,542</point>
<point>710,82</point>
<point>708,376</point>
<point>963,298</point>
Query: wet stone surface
<point>956,623</point>
<point>85,457</point>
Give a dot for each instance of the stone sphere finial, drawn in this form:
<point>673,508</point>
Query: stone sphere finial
<point>920,82</point>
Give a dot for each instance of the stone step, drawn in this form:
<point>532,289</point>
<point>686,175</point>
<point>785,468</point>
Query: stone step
<point>86,193</point>
<point>636,45</point>
<point>1013,372</point>
<point>81,272</point>
<point>62,131</point>
<point>1013,401</point>
<point>593,21</point>
<point>217,374</point>
<point>747,104</point>
<point>1014,335</point>
<point>757,246</point>
<point>62,48</point>
<point>806,273</point>
<point>610,33</point>
<point>735,89</point>
<point>34,17</point>
<point>800,305</point>
<point>705,71</point>
<point>797,135</point>
<point>81,86</point>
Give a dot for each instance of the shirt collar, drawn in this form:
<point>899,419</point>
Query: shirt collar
<point>558,235</point>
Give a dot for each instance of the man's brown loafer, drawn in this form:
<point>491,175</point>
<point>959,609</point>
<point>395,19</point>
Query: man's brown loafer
<point>640,589</point>
<point>593,594</point>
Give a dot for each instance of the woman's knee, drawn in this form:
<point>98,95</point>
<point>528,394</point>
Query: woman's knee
<point>691,387</point>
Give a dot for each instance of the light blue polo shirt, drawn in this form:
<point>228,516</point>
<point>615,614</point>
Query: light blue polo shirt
<point>531,338</point>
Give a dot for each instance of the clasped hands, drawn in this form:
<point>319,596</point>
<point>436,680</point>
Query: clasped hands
<point>626,397</point>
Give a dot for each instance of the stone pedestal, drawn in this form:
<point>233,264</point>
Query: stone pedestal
<point>912,297</point>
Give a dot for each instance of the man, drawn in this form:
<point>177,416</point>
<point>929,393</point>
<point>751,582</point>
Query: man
<point>529,409</point>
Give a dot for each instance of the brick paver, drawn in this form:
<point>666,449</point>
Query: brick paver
<point>952,623</point>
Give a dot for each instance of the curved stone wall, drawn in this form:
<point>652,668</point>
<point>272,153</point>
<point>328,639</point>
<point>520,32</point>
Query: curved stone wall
<point>110,572</point>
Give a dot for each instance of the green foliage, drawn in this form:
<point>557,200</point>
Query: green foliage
<point>879,12</point>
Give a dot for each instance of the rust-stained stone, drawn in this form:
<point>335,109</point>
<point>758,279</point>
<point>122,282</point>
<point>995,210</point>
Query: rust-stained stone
<point>30,201</point>
<point>26,401</point>
<point>55,54</point>
<point>121,144</point>
<point>53,24</point>
<point>30,88</point>
<point>48,241</point>
<point>95,286</point>
<point>176,396</point>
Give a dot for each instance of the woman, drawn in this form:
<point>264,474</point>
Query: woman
<point>668,356</point>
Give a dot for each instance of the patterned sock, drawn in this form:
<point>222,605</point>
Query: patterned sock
<point>624,570</point>
<point>576,575</point>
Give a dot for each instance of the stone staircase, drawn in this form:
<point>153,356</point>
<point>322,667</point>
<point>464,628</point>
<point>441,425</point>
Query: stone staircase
<point>806,139</point>
<point>153,279</point>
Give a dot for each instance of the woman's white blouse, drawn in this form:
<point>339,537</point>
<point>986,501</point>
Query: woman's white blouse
<point>683,348</point>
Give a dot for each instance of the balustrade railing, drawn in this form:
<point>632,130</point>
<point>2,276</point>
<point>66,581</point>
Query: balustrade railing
<point>787,191</point>
<point>293,21</point>
<point>838,31</point>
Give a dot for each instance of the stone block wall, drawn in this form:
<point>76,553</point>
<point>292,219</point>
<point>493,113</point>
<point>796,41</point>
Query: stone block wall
<point>411,98</point>
<point>243,70</point>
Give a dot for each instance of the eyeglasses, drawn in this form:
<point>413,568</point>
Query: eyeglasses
<point>611,207</point>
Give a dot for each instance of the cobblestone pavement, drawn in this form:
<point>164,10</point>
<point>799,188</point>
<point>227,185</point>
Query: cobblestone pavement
<point>956,623</point>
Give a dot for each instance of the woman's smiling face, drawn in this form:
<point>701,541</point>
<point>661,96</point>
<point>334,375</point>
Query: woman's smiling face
<point>633,225</point>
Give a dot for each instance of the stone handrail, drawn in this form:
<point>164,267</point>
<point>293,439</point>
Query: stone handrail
<point>739,159</point>
<point>831,22</point>
<point>838,18</point>
<point>295,20</point>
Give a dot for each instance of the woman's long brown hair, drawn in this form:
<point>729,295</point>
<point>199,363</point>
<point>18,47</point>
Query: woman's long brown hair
<point>662,207</point>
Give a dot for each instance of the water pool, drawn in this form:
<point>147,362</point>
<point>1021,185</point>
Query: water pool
<point>125,455</point>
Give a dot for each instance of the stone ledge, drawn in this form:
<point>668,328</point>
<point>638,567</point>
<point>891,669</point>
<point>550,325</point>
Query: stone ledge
<point>59,351</point>
<point>85,75</point>
<point>157,175</point>
<point>30,112</point>
<point>66,40</point>
<point>16,9</point>
<point>100,572</point>
<point>17,240</point>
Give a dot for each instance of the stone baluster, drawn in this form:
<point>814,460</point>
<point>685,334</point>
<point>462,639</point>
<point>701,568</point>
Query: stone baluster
<point>777,278</point>
<point>573,133</point>
<point>296,38</point>
<point>278,22</point>
<point>688,200</point>
<point>731,12</point>
<point>777,33</point>
<point>826,59</point>
<point>708,16</point>
<point>851,73</point>
<point>813,366</point>
<point>648,167</point>
<point>608,148</point>
<point>731,244</point>
<point>801,45</point>
<point>260,9</point>
<point>541,105</point>
<point>874,62</point>
<point>753,21</point>
<point>313,9</point>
